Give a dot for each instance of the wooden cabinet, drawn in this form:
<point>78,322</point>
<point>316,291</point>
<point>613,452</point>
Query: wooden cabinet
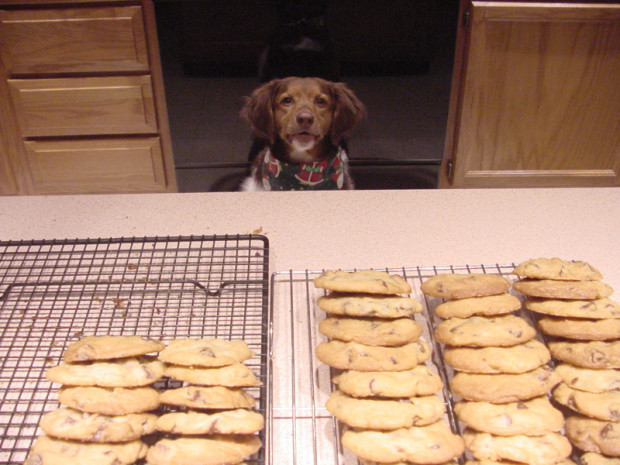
<point>536,96</point>
<point>85,109</point>
<point>84,106</point>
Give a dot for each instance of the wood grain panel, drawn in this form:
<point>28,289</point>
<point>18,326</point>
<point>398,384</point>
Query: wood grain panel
<point>67,40</point>
<point>84,106</point>
<point>96,166</point>
<point>541,97</point>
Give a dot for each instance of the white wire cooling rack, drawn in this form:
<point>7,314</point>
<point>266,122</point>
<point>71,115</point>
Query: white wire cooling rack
<point>304,432</point>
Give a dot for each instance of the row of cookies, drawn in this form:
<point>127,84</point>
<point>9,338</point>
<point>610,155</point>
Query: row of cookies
<point>213,421</point>
<point>106,398</point>
<point>386,395</point>
<point>108,402</point>
<point>501,371</point>
<point>583,327</point>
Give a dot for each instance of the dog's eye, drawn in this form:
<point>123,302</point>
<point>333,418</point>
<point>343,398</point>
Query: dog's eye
<point>320,101</point>
<point>286,100</point>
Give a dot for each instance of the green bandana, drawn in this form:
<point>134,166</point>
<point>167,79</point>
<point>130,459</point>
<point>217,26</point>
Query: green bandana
<point>321,175</point>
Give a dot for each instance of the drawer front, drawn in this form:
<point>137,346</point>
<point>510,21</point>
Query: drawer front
<point>96,166</point>
<point>69,40</point>
<point>84,106</point>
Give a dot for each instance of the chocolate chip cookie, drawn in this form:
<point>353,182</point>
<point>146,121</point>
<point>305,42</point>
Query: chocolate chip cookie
<point>463,286</point>
<point>502,388</point>
<point>212,450</point>
<point>212,397</point>
<point>589,380</point>
<point>600,405</point>
<point>127,372</point>
<point>50,451</point>
<point>590,435</point>
<point>591,309</point>
<point>372,331</point>
<point>432,444</point>
<point>593,458</point>
<point>360,357</point>
<point>419,381</point>
<point>519,358</point>
<point>109,401</point>
<point>555,289</point>
<point>480,331</point>
<point>235,375</point>
<point>69,424</point>
<point>482,306</point>
<point>205,352</point>
<point>534,417</point>
<point>367,281</point>
<point>580,328</point>
<point>365,305</point>
<point>591,354</point>
<point>238,421</point>
<point>556,268</point>
<point>108,347</point>
<point>533,450</point>
<point>383,414</point>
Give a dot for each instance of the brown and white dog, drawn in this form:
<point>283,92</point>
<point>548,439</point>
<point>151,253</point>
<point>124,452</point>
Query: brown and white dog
<point>301,126</point>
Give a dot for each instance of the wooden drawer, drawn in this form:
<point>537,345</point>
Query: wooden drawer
<point>84,106</point>
<point>96,166</point>
<point>69,40</point>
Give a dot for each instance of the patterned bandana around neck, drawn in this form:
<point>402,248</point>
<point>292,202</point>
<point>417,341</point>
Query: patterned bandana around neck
<point>322,175</point>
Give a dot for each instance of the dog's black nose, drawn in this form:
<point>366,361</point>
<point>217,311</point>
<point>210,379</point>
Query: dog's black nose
<point>305,118</point>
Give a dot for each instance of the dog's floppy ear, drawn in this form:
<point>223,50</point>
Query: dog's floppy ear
<point>348,111</point>
<point>258,110</point>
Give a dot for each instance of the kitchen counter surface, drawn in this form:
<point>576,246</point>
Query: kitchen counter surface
<point>313,231</point>
<point>351,229</point>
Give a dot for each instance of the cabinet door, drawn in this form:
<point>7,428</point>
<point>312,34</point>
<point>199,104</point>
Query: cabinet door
<point>66,40</point>
<point>537,99</point>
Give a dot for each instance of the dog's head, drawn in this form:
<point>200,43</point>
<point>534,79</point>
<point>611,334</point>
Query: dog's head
<point>305,114</point>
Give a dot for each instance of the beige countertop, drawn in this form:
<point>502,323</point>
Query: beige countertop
<point>351,229</point>
<point>312,231</point>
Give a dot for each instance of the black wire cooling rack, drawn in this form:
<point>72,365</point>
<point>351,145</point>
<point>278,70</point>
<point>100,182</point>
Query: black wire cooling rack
<point>54,292</point>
